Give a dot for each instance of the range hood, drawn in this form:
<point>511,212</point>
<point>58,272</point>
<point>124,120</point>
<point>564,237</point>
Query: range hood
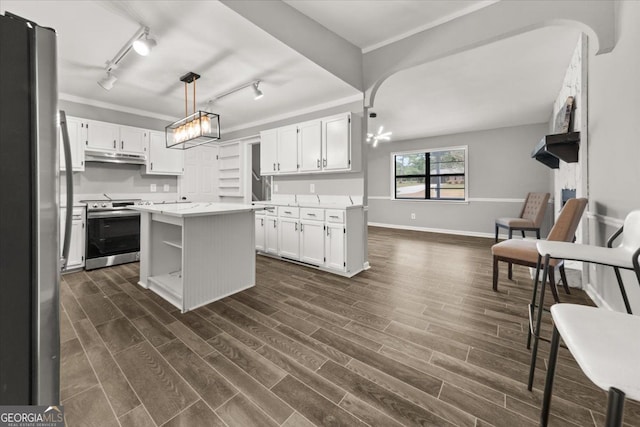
<point>111,157</point>
<point>553,148</point>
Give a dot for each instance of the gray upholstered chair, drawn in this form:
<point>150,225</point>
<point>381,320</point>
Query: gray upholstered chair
<point>530,218</point>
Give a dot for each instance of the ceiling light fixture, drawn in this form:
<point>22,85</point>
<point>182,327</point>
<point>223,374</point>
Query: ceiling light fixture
<point>379,136</point>
<point>193,130</point>
<point>141,45</point>
<point>257,93</point>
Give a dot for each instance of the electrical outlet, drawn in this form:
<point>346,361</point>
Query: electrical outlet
<point>413,215</point>
<point>312,188</point>
<point>166,188</point>
<point>275,188</point>
<point>153,188</point>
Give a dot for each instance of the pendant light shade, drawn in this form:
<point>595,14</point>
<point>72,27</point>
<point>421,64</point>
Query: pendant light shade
<point>198,128</point>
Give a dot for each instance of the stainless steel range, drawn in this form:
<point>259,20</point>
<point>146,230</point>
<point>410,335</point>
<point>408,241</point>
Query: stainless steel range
<point>113,232</point>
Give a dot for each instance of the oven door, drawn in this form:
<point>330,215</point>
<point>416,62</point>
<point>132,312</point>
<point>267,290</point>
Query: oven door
<point>112,233</point>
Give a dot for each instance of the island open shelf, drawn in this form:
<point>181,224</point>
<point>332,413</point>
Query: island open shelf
<point>192,254</point>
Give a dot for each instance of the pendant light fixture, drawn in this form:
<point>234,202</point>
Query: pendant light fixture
<point>196,129</point>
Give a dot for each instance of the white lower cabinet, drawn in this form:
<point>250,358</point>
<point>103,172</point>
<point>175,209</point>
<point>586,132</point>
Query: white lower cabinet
<point>77,243</point>
<point>312,242</point>
<point>334,249</point>
<point>329,239</point>
<point>260,234</point>
<point>271,235</point>
<point>289,234</point>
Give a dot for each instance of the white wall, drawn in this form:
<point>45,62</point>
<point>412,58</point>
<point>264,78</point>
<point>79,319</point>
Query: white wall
<point>614,148</point>
<point>500,173</point>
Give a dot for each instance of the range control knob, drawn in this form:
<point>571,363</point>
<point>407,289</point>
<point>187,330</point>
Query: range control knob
<point>95,205</point>
<point>104,205</point>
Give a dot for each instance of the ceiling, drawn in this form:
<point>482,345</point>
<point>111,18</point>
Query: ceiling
<point>507,83</point>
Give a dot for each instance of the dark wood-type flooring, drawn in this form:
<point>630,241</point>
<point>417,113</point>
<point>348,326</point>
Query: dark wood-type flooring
<point>419,339</point>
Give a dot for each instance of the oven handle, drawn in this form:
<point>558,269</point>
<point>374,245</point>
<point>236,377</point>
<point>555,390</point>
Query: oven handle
<point>112,214</point>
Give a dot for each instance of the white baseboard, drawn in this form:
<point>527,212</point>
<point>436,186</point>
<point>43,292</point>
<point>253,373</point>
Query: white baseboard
<point>596,298</point>
<point>432,230</point>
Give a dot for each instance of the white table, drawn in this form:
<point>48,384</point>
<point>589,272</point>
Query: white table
<point>194,253</point>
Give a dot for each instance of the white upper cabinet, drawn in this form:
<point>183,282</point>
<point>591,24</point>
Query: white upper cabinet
<point>331,144</point>
<point>336,142</point>
<point>102,136</point>
<point>162,160</point>
<point>77,131</point>
<point>287,150</point>
<point>132,140</point>
<point>310,146</point>
<point>268,152</point>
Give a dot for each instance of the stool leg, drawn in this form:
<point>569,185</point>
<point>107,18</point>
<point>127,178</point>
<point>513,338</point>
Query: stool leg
<point>536,331</point>
<point>563,277</point>
<point>510,271</point>
<point>615,408</point>
<point>622,291</point>
<point>548,384</point>
<point>533,298</point>
<point>495,273</point>
<point>552,283</point>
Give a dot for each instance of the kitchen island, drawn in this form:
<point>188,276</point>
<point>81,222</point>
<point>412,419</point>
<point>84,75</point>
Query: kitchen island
<point>194,253</point>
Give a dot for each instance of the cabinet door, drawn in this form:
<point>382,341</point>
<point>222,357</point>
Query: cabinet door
<point>271,235</point>
<point>289,234</point>
<point>132,140</point>
<point>288,149</point>
<point>260,235</point>
<point>163,160</point>
<point>76,247</point>
<point>77,138</point>
<point>268,152</point>
<point>310,144</point>
<point>102,136</point>
<point>336,142</point>
<point>334,247</point>
<point>312,242</point>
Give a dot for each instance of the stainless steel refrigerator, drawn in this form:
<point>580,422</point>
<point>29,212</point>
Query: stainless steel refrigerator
<point>30,259</point>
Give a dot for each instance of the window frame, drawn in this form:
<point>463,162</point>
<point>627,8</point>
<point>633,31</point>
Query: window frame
<point>428,176</point>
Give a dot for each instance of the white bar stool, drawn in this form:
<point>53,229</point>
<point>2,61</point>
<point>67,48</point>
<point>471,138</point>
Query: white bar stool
<point>625,256</point>
<point>606,345</point>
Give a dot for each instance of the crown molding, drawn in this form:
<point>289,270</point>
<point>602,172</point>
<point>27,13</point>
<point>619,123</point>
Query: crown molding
<point>115,107</point>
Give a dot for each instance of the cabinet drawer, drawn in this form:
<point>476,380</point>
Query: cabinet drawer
<point>288,212</point>
<point>312,213</point>
<point>271,210</point>
<point>335,216</point>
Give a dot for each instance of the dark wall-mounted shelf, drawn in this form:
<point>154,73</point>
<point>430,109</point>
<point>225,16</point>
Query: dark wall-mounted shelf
<point>553,148</point>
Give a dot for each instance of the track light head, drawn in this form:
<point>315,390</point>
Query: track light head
<point>257,92</point>
<point>108,81</point>
<point>143,45</point>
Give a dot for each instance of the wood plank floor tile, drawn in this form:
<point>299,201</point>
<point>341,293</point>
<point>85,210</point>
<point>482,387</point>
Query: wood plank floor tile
<point>428,340</point>
<point>380,398</point>
<point>187,336</point>
<point>350,312</point>
<point>119,334</point>
<point>153,308</point>
<point>198,414</point>
<point>313,406</point>
<point>317,312</point>
<point>83,288</point>
<point>356,338</point>
<point>212,387</point>
<point>389,340</point>
<point>367,413</point>
<point>70,304</point>
<point>322,348</point>
<point>202,327</point>
<point>295,322</point>
<point>249,361</point>
<point>89,408</point>
<point>76,373</point>
<point>153,330</point>
<point>99,308</point>
<point>137,417</point>
<point>108,286</point>
<point>417,379</point>
<point>260,395</point>
<point>254,303</point>
<point>66,330</point>
<point>240,411</point>
<point>234,331</point>
<point>127,305</point>
<point>297,420</point>
<point>162,391</point>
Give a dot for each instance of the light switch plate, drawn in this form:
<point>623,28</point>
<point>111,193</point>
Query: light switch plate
<point>166,188</point>
<point>153,188</point>
<point>312,188</point>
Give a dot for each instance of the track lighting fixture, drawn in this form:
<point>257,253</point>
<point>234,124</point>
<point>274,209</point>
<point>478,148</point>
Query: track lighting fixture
<point>257,93</point>
<point>140,42</point>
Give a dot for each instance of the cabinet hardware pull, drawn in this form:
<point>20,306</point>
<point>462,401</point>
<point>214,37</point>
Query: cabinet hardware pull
<point>122,145</point>
<point>296,224</point>
<point>274,166</point>
<point>287,212</point>
<point>318,163</point>
<point>261,222</point>
<point>328,231</point>
<point>278,165</point>
<point>114,143</point>
<point>301,227</point>
<point>334,216</point>
<point>274,223</point>
<point>324,162</point>
<point>151,165</point>
<point>311,214</point>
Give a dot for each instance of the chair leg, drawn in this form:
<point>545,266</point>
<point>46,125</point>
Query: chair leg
<point>510,274</point>
<point>615,408</point>
<point>548,384</point>
<point>563,277</point>
<point>510,233</point>
<point>495,273</point>
<point>523,236</point>
<point>497,228</point>
<point>533,298</point>
<point>552,284</point>
<point>538,233</point>
<point>536,331</point>
<point>622,291</point>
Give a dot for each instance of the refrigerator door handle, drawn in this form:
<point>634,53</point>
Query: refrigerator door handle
<point>69,175</point>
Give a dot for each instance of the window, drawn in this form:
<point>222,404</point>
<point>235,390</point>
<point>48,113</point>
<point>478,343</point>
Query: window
<point>443,169</point>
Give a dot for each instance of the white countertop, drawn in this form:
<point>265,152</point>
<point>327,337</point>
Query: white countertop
<point>308,205</point>
<point>195,209</point>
